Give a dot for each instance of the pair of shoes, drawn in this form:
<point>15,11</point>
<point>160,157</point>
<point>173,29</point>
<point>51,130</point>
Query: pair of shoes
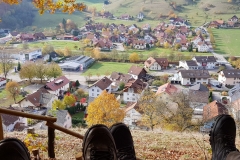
<point>13,149</point>
<point>101,143</point>
<point>222,137</point>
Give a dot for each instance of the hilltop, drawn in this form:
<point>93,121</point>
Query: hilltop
<point>148,145</point>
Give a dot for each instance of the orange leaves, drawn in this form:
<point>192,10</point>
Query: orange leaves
<point>65,6</point>
<point>105,109</point>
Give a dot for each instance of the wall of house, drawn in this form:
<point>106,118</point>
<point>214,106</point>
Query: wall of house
<point>140,46</point>
<point>25,103</point>
<point>186,81</point>
<point>131,117</point>
<point>31,55</point>
<point>11,126</point>
<point>49,105</point>
<point>130,96</point>
<point>227,81</point>
<point>133,76</point>
<point>94,91</point>
<point>203,48</point>
<point>155,66</point>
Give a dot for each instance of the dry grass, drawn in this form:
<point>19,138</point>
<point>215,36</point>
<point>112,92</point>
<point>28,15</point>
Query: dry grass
<point>148,145</point>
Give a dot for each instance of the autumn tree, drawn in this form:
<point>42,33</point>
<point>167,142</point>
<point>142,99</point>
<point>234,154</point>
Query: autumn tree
<point>96,53</point>
<point>53,70</point>
<point>58,104</point>
<point>40,70</point>
<point>134,57</point>
<point>67,51</point>
<point>6,63</point>
<point>105,109</point>
<point>47,48</point>
<point>166,44</point>
<point>80,92</point>
<point>28,71</point>
<point>152,108</point>
<point>69,100</point>
<point>13,89</point>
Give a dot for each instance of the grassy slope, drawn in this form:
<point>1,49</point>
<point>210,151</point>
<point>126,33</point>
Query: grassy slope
<point>148,145</point>
<point>227,41</point>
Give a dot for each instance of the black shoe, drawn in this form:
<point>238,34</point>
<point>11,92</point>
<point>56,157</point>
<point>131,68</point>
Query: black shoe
<point>222,137</point>
<point>124,142</point>
<point>98,144</point>
<point>13,149</point>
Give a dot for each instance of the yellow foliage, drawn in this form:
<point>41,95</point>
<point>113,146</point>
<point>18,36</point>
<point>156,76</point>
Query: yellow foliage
<point>105,109</point>
<point>134,57</point>
<point>69,100</point>
<point>32,143</point>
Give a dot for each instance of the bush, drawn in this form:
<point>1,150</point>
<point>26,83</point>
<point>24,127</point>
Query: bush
<point>157,83</point>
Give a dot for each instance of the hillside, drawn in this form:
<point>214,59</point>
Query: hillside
<point>149,145</point>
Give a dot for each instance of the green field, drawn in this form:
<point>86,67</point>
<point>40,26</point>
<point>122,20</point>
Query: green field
<point>227,41</point>
<point>108,67</point>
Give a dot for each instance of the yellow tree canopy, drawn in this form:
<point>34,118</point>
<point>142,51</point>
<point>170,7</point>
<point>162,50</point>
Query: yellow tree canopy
<point>69,100</point>
<point>105,109</point>
<point>134,57</point>
<point>52,6</point>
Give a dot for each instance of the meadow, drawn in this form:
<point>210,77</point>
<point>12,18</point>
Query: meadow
<point>103,68</point>
<point>227,41</point>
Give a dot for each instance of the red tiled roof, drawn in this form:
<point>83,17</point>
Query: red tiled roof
<point>103,83</point>
<point>135,70</point>
<point>53,86</point>
<point>213,109</point>
<point>167,88</point>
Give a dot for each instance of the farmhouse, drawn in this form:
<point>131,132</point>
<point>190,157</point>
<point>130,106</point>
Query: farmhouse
<point>192,77</point>
<point>229,76</point>
<point>156,64</point>
<point>98,87</point>
<point>132,114</point>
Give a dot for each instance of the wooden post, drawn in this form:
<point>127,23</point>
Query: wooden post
<point>51,137</point>
<point>1,129</point>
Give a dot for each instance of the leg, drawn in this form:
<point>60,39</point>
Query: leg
<point>124,142</point>
<point>98,144</point>
<point>222,137</point>
<point>13,149</point>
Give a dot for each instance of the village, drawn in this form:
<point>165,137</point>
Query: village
<point>210,81</point>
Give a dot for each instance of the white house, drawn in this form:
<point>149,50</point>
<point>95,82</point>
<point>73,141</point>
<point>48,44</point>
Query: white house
<point>192,77</point>
<point>3,81</point>
<point>64,119</point>
<point>40,98</point>
<point>132,115</point>
<point>188,65</point>
<point>57,86</point>
<point>133,90</point>
<point>98,87</point>
<point>139,44</point>
<point>205,62</point>
<point>229,76</point>
<point>203,47</point>
<point>156,64</point>
<point>11,123</point>
<point>137,72</point>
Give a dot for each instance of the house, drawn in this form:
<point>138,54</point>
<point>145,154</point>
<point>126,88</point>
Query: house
<point>125,17</point>
<point>234,99</point>
<point>137,72</point>
<point>118,78</point>
<point>156,64</point>
<point>11,122</point>
<point>214,24</point>
<point>54,56</point>
<point>104,45</point>
<point>139,44</point>
<point>167,88</point>
<point>234,19</point>
<point>213,109</point>
<point>188,65</point>
<point>98,87</point>
<point>39,36</point>
<point>39,99</point>
<point>64,119</point>
<point>198,98</point>
<point>205,62</point>
<point>146,27</point>
<point>58,86</point>
<point>229,76</point>
<point>26,37</point>
<point>132,90</point>
<point>132,114</point>
<point>192,77</point>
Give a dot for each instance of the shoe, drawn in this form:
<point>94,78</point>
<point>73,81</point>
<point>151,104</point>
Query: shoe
<point>222,137</point>
<point>124,142</point>
<point>98,144</point>
<point>13,149</point>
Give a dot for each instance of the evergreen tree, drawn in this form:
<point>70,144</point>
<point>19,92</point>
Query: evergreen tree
<point>19,66</point>
<point>50,58</point>
<point>77,83</point>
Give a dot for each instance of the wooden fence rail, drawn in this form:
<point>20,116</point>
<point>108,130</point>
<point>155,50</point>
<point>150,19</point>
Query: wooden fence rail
<point>50,123</point>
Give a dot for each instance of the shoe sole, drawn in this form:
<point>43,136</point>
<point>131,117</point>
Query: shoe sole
<point>19,142</point>
<point>87,133</point>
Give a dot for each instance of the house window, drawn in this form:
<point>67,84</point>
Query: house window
<point>97,90</point>
<point>127,98</point>
<point>92,94</point>
<point>92,89</point>
<point>133,94</point>
<point>133,99</point>
<point>199,78</point>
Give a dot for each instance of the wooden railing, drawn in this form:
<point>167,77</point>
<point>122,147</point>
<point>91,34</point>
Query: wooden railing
<point>50,123</point>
